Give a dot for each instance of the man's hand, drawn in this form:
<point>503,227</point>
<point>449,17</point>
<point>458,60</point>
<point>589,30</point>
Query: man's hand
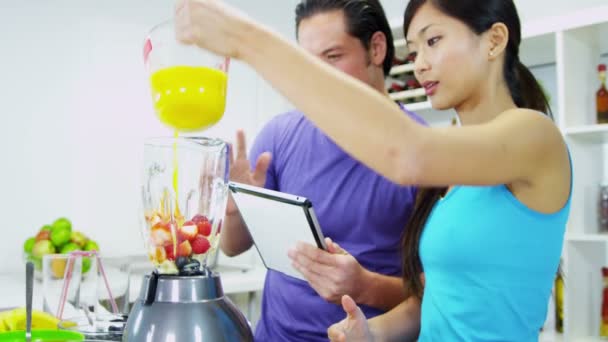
<point>240,168</point>
<point>353,328</point>
<point>331,273</point>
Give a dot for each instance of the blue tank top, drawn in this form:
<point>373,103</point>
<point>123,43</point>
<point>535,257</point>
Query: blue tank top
<point>489,264</point>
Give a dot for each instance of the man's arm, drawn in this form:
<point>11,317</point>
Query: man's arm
<point>380,291</point>
<point>235,235</point>
<point>335,272</point>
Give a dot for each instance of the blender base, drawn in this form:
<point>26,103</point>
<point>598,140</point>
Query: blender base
<point>185,308</point>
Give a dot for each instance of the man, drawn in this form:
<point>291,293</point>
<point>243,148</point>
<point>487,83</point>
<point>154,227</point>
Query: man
<point>361,212</point>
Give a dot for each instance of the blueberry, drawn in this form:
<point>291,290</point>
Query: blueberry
<point>180,262</point>
<point>191,268</point>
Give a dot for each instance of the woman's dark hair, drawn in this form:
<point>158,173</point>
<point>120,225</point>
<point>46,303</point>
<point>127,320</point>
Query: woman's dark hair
<point>363,19</point>
<point>479,16</point>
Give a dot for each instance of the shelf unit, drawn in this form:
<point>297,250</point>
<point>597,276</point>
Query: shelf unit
<point>563,53</point>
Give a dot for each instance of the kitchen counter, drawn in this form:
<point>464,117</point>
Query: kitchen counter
<point>235,279</point>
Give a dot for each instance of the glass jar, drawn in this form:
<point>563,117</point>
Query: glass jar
<point>184,195</point>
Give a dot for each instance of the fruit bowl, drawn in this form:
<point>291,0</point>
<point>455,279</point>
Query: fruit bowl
<point>57,238</point>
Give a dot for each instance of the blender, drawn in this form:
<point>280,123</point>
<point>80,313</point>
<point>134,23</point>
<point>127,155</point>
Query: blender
<point>184,195</point>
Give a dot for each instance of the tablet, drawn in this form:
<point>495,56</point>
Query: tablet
<point>276,222</point>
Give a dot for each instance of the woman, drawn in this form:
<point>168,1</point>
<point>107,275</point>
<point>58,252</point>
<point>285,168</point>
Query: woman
<point>498,196</point>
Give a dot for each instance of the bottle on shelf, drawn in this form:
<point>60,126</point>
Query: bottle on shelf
<point>602,206</point>
<point>559,300</point>
<point>398,61</point>
<point>395,88</point>
<point>602,96</point>
<point>604,321</point>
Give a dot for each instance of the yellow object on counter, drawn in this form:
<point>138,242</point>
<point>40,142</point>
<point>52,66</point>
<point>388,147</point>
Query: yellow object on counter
<point>15,320</point>
<point>189,98</point>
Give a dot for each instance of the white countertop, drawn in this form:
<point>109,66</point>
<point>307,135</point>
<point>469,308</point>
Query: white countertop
<point>235,279</point>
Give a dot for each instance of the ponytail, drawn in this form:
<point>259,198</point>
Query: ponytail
<point>525,89</point>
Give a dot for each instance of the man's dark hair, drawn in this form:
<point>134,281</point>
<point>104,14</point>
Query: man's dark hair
<point>363,19</point>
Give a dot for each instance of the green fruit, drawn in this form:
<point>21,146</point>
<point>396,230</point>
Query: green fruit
<point>79,238</point>
<point>35,260</point>
<point>60,235</point>
<point>43,247</point>
<point>46,227</point>
<point>69,247</point>
<point>63,223</point>
<point>29,245</point>
<point>86,264</point>
<point>91,246</point>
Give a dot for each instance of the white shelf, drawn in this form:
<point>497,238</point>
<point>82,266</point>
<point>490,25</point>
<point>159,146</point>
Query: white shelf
<point>550,336</point>
<point>402,69</point>
<point>407,94</point>
<point>599,237</point>
<point>573,20</point>
<point>588,133</point>
<point>400,43</point>
<point>418,106</point>
<point>590,339</point>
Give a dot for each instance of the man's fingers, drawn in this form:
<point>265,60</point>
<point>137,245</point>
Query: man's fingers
<point>241,145</point>
<point>261,167</point>
<point>333,247</point>
<point>312,270</point>
<point>316,254</point>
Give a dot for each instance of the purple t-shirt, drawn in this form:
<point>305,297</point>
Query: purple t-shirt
<point>362,211</point>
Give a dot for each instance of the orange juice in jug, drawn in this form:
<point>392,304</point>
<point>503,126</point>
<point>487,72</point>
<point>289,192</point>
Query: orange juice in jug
<point>189,98</point>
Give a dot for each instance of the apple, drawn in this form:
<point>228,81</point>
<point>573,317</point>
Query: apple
<point>42,247</point>
<point>78,238</point>
<point>43,235</point>
<point>91,246</point>
<point>28,245</point>
<point>62,223</point>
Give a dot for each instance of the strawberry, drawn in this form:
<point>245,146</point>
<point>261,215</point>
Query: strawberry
<point>200,244</point>
<point>204,228</point>
<point>199,218</point>
<point>184,249</point>
<point>188,231</point>
<point>170,251</point>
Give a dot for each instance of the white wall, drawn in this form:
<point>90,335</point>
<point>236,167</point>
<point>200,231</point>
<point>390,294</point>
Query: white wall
<point>75,110</point>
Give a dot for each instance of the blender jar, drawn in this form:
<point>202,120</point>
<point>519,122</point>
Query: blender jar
<point>184,195</point>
